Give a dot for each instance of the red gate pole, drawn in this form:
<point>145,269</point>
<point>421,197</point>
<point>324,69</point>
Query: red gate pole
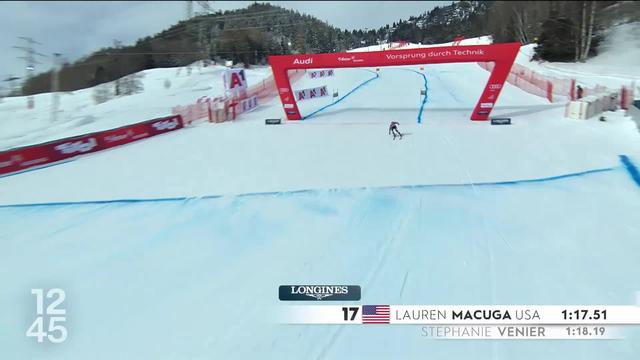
<point>572,91</point>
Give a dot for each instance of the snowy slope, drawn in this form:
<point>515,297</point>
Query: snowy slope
<point>347,145</point>
<point>414,221</point>
<point>79,114</point>
<point>481,40</point>
<point>615,65</point>
<point>191,279</point>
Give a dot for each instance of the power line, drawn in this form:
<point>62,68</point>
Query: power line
<point>162,36</point>
<point>206,5</point>
<point>178,53</point>
<point>30,61</point>
<point>227,38</point>
<point>178,30</point>
<point>212,18</point>
<point>55,87</point>
<point>237,16</point>
<point>189,9</point>
<point>221,18</point>
<point>201,38</point>
<point>208,17</point>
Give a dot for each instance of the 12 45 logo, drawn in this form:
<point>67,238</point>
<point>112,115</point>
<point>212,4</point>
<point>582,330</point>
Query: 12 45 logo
<point>55,331</point>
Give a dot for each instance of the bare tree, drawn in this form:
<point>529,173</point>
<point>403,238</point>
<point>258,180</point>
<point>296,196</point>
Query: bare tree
<point>581,32</point>
<point>102,93</point>
<point>131,84</point>
<point>587,47</point>
<point>584,28</point>
<point>518,20</point>
<point>117,44</point>
<point>521,25</point>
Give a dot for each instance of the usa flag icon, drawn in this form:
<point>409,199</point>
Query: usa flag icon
<point>376,314</point>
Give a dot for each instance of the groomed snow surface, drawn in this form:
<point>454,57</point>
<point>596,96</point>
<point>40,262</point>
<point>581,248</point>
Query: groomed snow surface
<point>542,211</point>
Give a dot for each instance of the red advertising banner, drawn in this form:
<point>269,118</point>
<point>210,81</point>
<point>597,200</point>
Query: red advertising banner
<point>19,159</point>
<point>27,157</point>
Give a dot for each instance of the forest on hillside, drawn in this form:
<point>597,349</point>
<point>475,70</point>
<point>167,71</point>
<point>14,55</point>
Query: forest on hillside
<point>565,31</point>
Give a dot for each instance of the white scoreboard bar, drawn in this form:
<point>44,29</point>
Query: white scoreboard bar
<point>469,315</point>
<point>535,322</point>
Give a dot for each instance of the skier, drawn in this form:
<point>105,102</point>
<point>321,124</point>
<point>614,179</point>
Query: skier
<point>580,92</point>
<point>393,129</point>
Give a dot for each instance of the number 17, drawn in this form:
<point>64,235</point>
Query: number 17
<point>353,310</point>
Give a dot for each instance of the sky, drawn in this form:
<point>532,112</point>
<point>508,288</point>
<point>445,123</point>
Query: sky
<point>77,28</point>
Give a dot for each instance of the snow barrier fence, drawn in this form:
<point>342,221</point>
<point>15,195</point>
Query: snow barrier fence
<point>34,156</point>
<point>558,89</point>
<point>226,108</point>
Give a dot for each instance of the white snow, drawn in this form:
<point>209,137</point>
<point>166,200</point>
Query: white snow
<point>20,126</point>
<point>197,278</point>
<point>615,65</point>
<point>347,143</point>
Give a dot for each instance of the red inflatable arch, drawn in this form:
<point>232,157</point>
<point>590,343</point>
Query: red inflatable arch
<point>503,55</point>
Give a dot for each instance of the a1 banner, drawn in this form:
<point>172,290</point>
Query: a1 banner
<point>321,73</point>
<point>235,81</point>
<point>313,93</point>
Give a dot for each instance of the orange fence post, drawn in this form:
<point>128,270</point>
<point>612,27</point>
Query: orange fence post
<point>572,91</point>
